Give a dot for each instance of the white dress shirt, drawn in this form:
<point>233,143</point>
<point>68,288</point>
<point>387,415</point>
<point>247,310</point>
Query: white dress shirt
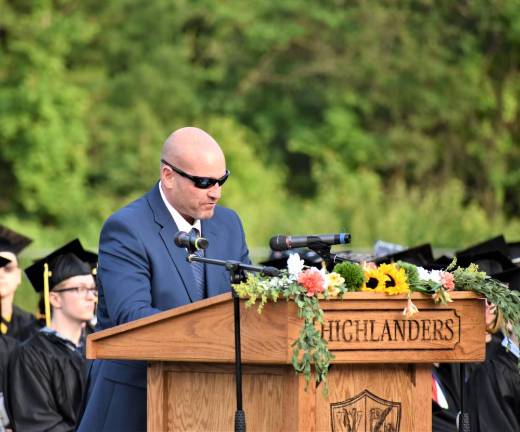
<point>182,224</point>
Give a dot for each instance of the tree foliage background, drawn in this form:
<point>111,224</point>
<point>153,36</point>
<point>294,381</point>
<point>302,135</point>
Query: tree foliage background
<point>393,120</point>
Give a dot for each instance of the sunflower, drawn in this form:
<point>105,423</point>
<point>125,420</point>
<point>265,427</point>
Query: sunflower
<point>374,280</point>
<point>396,282</point>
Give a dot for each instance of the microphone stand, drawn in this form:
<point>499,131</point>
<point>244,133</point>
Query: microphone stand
<point>323,250</point>
<point>237,274</point>
<point>464,424</point>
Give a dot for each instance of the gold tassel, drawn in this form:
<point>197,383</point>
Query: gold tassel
<point>46,275</point>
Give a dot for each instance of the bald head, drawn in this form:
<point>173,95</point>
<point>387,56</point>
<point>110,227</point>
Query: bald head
<point>189,145</point>
<point>190,152</point>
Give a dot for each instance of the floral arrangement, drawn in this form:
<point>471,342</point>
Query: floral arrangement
<point>305,286</point>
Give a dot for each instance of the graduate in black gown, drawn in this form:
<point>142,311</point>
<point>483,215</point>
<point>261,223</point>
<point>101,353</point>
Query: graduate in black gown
<point>494,386</point>
<point>16,325</point>
<point>14,321</point>
<point>446,397</point>
<point>491,404</point>
<point>46,379</point>
<point>7,344</point>
<point>494,390</point>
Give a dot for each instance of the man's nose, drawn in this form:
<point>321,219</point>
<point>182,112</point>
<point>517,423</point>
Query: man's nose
<point>215,191</point>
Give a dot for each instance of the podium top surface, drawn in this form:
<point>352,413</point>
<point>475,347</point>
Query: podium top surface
<point>360,328</point>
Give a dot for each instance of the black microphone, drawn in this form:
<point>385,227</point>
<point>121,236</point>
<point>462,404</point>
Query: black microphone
<point>190,241</point>
<point>281,242</point>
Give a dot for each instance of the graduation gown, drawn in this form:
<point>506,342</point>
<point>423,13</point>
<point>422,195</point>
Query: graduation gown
<point>494,393</point>
<point>22,324</point>
<point>448,377</point>
<point>45,385</point>
<point>7,345</point>
<point>20,328</point>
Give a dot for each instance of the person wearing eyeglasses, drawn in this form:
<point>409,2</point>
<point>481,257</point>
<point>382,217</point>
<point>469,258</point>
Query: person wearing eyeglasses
<point>46,375</point>
<point>142,272</point>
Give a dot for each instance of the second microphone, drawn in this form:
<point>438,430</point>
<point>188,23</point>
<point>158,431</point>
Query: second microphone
<point>281,242</point>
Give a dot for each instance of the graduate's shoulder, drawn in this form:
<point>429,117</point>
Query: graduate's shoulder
<point>39,347</point>
<point>22,314</point>
<point>25,323</point>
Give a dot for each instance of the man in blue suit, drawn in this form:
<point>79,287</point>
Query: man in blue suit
<point>142,272</point>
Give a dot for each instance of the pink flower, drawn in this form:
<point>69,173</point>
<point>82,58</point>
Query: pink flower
<point>447,281</point>
<point>369,265</point>
<point>312,280</point>
<point>442,296</point>
<point>410,309</point>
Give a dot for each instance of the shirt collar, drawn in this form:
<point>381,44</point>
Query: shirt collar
<point>182,224</point>
<point>67,342</point>
<point>513,348</point>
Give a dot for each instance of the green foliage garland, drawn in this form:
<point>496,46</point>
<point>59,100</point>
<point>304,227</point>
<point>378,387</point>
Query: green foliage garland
<point>352,273</point>
<point>304,286</point>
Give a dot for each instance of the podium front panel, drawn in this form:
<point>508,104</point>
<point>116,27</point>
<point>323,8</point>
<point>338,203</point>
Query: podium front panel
<point>362,398</point>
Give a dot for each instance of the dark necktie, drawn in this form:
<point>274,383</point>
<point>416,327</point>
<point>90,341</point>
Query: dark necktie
<point>198,272</point>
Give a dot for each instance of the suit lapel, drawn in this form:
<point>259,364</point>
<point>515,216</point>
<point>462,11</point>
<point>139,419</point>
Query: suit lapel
<point>215,250</point>
<point>167,231</point>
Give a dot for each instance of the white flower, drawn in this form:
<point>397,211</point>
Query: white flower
<point>425,275</point>
<point>274,282</point>
<point>436,276</point>
<point>294,264</point>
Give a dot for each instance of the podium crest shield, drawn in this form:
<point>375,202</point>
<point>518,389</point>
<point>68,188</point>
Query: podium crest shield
<point>365,412</point>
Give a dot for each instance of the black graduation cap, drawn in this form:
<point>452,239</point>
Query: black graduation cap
<point>491,262</point>
<point>11,241</point>
<point>497,243</point>
<point>421,255</point>
<point>511,277</point>
<point>68,261</point>
<point>444,260</point>
<point>278,259</point>
<point>514,251</point>
<point>4,261</point>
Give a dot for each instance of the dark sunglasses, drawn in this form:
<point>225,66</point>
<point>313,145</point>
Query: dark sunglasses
<point>199,182</point>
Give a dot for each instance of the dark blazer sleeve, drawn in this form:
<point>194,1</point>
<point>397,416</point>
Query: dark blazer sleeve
<point>244,253</point>
<point>124,272</point>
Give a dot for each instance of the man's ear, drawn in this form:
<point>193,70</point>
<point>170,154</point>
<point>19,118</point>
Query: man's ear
<point>167,177</point>
<point>55,300</point>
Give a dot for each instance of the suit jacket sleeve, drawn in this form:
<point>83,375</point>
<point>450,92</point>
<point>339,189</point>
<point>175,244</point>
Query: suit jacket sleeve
<point>244,253</point>
<point>124,273</point>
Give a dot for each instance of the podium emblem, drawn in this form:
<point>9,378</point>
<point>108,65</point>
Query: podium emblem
<point>365,412</point>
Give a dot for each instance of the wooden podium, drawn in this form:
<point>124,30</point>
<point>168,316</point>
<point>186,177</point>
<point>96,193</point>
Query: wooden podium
<point>380,379</point>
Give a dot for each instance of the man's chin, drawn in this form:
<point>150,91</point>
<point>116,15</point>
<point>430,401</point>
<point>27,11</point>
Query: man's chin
<point>206,214</point>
